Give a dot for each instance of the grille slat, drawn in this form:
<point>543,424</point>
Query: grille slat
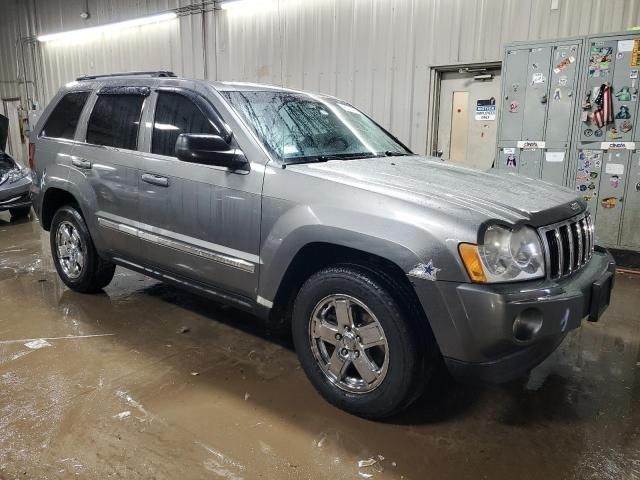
<point>560,248</point>
<point>571,262</point>
<point>591,236</point>
<point>568,245</point>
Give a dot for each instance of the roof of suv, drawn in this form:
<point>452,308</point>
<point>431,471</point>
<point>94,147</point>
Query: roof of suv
<point>163,78</point>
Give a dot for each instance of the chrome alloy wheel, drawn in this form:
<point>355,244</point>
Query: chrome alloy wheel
<point>71,251</point>
<point>349,344</point>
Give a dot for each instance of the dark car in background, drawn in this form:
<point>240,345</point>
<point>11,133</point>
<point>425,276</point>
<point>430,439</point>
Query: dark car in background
<point>15,180</point>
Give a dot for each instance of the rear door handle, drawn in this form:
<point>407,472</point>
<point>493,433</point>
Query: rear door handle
<point>155,179</point>
<point>81,162</point>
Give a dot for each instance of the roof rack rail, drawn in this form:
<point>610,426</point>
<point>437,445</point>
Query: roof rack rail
<point>157,73</point>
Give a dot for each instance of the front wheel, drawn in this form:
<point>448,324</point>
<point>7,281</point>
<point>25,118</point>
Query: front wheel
<point>356,344</point>
<point>74,255</point>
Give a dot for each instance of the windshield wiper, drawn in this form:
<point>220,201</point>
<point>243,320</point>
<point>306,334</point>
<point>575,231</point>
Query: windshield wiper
<point>346,156</point>
<point>389,153</point>
<point>326,158</point>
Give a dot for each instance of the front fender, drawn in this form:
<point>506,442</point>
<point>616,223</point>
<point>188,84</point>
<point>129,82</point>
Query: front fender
<point>288,227</point>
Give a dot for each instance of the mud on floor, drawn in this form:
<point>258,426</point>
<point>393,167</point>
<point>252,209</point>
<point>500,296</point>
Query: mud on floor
<point>146,381</point>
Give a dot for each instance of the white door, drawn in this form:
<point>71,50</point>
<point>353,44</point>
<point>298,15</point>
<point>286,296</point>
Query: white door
<point>15,145</point>
<point>467,119</point>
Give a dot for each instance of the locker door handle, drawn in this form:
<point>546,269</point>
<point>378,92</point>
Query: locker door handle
<point>155,179</point>
<point>81,163</point>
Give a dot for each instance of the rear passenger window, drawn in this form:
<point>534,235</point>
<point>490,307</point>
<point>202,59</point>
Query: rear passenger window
<point>63,120</point>
<point>115,121</point>
<point>176,114</point>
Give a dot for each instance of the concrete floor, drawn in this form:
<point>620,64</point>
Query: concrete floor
<point>117,392</point>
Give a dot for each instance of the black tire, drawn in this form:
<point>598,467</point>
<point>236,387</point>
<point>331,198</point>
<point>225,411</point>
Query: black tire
<point>413,356</point>
<point>19,212</point>
<point>96,272</point>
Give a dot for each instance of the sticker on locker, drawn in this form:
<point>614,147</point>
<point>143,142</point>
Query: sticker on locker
<point>614,169</point>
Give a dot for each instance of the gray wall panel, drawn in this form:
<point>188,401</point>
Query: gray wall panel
<point>374,53</point>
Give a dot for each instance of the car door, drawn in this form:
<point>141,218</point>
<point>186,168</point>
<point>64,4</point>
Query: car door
<point>201,222</point>
<point>59,134</point>
<point>109,161</point>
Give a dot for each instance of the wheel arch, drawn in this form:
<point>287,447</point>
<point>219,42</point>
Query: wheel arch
<point>313,257</point>
<point>53,199</point>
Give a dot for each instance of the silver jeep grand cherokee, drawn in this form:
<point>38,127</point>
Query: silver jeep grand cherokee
<point>298,207</point>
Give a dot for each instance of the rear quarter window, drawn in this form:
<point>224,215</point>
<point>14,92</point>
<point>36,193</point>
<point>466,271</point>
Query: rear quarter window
<point>115,121</point>
<point>63,121</point>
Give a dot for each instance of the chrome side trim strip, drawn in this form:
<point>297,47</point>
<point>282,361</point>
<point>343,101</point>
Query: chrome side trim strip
<point>162,275</point>
<point>180,246</point>
<point>264,302</point>
<point>183,247</point>
<point>119,227</point>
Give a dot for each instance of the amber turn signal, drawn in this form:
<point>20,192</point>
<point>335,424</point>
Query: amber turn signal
<point>472,262</point>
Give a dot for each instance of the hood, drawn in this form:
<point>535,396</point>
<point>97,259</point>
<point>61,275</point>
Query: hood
<point>6,165</point>
<point>4,132</point>
<point>508,197</point>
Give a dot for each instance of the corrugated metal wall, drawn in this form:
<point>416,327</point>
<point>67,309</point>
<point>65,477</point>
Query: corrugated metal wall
<point>376,54</point>
<point>9,33</point>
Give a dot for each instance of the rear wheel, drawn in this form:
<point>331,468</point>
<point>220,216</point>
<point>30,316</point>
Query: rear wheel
<point>19,212</point>
<point>357,345</point>
<point>74,255</point>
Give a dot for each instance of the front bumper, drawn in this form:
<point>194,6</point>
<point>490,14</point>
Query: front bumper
<point>15,195</point>
<point>474,324</point>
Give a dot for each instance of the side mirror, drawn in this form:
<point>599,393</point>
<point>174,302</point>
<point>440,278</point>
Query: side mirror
<point>209,150</point>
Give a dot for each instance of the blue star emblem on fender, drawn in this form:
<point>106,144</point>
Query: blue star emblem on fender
<point>427,271</point>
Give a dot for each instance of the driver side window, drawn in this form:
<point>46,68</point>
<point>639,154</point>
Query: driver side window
<point>176,114</point>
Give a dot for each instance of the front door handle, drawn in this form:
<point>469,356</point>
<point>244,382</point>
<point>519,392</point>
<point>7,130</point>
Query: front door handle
<point>155,179</point>
<point>81,162</point>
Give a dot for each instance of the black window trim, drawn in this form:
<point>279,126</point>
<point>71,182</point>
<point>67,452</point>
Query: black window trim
<point>62,139</point>
<point>201,102</point>
<point>143,108</point>
<point>207,108</point>
<point>124,90</point>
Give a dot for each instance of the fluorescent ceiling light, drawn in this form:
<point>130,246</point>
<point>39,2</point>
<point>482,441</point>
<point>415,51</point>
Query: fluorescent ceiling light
<point>136,22</point>
<point>228,5</point>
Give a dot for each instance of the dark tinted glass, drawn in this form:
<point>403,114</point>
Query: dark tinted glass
<point>115,121</point>
<point>63,120</point>
<point>176,114</point>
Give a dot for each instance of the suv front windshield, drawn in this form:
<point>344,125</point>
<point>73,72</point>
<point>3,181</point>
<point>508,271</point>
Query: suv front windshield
<point>299,128</point>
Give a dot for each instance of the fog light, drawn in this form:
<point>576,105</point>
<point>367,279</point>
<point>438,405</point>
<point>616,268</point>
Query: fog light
<point>527,324</point>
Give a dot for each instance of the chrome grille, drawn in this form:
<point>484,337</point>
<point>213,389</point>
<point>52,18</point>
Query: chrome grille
<point>568,245</point>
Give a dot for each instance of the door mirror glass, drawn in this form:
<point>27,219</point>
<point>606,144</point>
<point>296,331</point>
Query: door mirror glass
<point>209,149</point>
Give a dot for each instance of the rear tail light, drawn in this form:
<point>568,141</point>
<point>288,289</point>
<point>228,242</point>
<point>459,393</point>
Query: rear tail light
<point>32,156</point>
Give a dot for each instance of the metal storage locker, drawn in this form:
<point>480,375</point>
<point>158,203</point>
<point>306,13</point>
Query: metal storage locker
<point>610,67</point>
<point>611,196</point>
<point>539,87</point>
<point>630,234</point>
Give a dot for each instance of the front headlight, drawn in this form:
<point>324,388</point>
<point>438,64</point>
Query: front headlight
<point>17,174</point>
<point>504,256</point>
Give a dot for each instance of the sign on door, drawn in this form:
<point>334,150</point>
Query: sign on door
<point>486,109</point>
